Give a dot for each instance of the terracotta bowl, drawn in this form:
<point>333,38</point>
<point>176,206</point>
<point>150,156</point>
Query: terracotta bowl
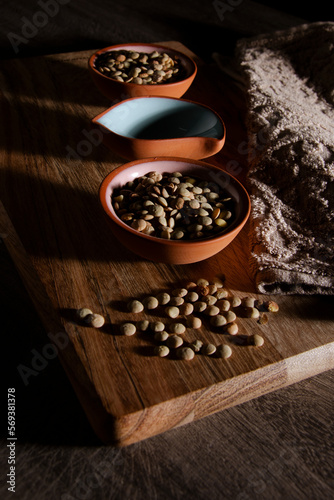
<point>173,251</point>
<point>141,127</point>
<point>113,89</point>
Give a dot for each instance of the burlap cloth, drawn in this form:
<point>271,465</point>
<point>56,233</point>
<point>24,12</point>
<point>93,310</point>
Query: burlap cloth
<point>290,88</point>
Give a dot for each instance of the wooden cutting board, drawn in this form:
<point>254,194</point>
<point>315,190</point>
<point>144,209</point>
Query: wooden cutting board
<point>52,224</point>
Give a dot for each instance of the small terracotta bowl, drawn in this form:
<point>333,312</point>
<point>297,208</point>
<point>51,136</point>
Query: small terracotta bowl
<point>141,127</point>
<point>173,251</point>
<point>113,89</point>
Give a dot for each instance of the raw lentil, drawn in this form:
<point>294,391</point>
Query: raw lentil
<point>135,306</point>
<point>185,353</point>
<point>211,311</point>
<point>83,312</point>
<point>161,351</point>
<point>192,297</point>
<point>224,351</point>
<point>208,349</point>
<point>252,312</point>
<point>235,301</point>
<point>221,294</point>
<point>186,309</point>
<point>194,322</point>
<point>200,306</point>
<point>230,316</point>
<point>176,301</point>
<point>218,320</point>
<point>169,205</point>
<point>161,336</point>
<point>178,328</point>
<point>157,326</point>
<point>174,341</point>
<point>224,305</point>
<point>172,311</point>
<point>128,329</point>
<point>140,67</point>
<point>150,302</point>
<point>257,340</point>
<point>143,325</point>
<point>94,320</point>
<point>232,328</point>
<point>271,306</point>
<point>163,298</point>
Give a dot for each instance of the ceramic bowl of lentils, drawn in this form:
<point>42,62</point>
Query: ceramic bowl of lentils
<point>141,69</point>
<point>174,210</point>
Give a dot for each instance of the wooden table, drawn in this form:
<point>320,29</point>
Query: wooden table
<point>67,257</point>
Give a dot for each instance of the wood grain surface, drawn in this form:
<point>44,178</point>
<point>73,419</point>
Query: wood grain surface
<point>61,245</point>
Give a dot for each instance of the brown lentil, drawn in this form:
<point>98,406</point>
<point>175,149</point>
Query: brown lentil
<point>224,351</point>
<point>218,320</point>
<point>211,311</point>
<point>135,306</point>
<point>172,311</point>
<point>150,205</point>
<point>208,349</point>
<point>140,67</point>
<point>186,309</point>
<point>232,328</point>
<point>194,322</point>
<point>185,353</point>
<point>128,329</point>
<point>143,325</point>
<point>174,341</point>
<point>157,326</point>
<point>257,340</point>
<point>150,302</point>
<point>178,328</point>
<point>230,316</point>
<point>94,320</point>
<point>83,312</point>
<point>161,336</point>
<point>161,351</point>
<point>271,306</point>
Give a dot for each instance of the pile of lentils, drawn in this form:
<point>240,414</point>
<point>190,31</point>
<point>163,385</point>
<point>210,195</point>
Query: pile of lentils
<point>174,206</point>
<point>139,67</point>
<point>185,308</point>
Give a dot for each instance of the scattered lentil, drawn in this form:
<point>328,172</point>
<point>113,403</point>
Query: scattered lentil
<point>157,326</point>
<point>211,311</point>
<point>161,336</point>
<point>218,320</point>
<point>128,329</point>
<point>232,328</point>
<point>83,312</point>
<point>163,298</point>
<point>252,312</point>
<point>174,341</point>
<point>185,353</point>
<point>194,322</point>
<point>224,351</point>
<point>172,311</point>
<point>135,306</point>
<point>257,340</point>
<point>161,351</point>
<point>150,302</point>
<point>271,306</point>
<point>178,328</point>
<point>208,349</point>
<point>186,309</point>
<point>143,325</point>
<point>94,320</point>
<point>230,316</point>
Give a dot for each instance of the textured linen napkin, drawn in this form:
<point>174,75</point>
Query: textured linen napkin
<point>290,89</point>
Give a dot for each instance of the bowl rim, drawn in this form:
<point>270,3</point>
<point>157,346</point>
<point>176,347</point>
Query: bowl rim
<point>135,85</point>
<point>222,138</point>
<point>174,243</point>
